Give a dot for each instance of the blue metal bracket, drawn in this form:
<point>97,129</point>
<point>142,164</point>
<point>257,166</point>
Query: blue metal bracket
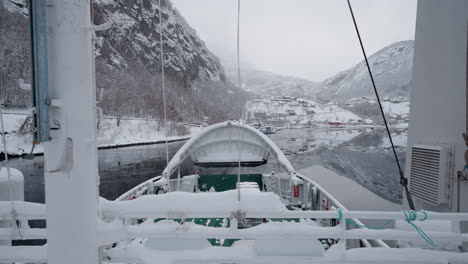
<point>40,77</point>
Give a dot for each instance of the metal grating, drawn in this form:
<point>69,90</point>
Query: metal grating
<point>428,173</point>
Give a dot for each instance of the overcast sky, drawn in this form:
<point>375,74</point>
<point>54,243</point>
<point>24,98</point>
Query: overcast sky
<point>312,39</point>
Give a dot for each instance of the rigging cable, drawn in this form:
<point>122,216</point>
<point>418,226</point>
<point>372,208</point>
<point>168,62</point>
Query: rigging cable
<point>13,223</point>
<point>163,83</point>
<point>403,180</point>
<point>239,87</point>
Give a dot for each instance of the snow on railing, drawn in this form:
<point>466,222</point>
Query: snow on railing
<point>338,205</point>
<point>116,230</point>
<point>150,184</point>
<point>144,209</point>
<point>139,189</point>
<point>286,230</point>
<point>17,215</point>
<point>23,254</point>
<point>22,210</point>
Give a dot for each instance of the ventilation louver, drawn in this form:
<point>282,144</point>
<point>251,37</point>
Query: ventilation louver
<point>429,173</point>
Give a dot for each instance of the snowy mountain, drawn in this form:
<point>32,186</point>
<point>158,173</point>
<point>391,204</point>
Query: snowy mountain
<point>392,69</point>
<point>391,66</point>
<point>128,68</point>
<point>267,84</point>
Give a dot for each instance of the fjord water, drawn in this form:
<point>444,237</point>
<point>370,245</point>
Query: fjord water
<point>358,155</point>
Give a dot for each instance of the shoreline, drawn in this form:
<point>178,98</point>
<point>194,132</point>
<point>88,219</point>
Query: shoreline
<point>116,146</point>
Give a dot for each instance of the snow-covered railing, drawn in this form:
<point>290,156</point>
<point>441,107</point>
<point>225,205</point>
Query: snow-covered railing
<point>138,190</point>
<point>135,209</point>
<point>23,254</point>
<point>120,211</point>
<point>19,212</point>
<point>22,210</point>
<point>149,187</point>
<point>278,231</point>
<point>336,204</point>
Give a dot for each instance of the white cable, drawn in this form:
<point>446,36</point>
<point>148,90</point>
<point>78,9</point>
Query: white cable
<point>239,163</point>
<point>10,188</point>
<point>163,88</point>
<point>238,86</point>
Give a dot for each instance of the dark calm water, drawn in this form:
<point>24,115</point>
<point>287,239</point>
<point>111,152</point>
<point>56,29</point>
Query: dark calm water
<point>120,169</point>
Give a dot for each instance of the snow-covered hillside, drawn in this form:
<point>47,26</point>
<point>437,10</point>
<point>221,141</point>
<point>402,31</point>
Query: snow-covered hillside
<point>396,109</point>
<point>111,132</point>
<point>265,84</point>
<point>287,111</point>
<point>392,69</point>
<point>128,63</point>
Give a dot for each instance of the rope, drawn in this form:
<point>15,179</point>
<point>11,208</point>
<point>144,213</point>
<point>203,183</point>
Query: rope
<point>161,50</point>
<point>240,216</point>
<point>403,180</point>
<point>6,164</point>
<point>410,217</point>
<point>350,221</point>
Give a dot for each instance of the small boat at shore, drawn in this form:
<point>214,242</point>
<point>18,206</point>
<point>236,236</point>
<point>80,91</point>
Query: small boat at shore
<point>268,130</point>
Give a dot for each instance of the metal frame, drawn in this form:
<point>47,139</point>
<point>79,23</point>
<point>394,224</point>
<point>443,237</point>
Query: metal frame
<point>40,71</point>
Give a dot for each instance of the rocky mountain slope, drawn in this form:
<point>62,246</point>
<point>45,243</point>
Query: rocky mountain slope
<point>391,66</point>
<point>392,69</point>
<point>266,84</point>
<point>128,68</point>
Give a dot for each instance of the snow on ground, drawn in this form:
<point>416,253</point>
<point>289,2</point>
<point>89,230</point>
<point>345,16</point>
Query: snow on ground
<point>351,194</point>
<point>271,107</point>
<point>400,108</point>
<point>307,139</point>
<point>333,113</point>
<point>396,108</point>
<point>304,110</point>
<point>128,131</point>
<point>17,143</point>
<point>132,131</point>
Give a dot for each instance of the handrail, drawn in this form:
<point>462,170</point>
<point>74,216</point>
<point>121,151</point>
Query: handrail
<point>135,189</point>
<point>23,210</point>
<point>285,230</point>
<point>135,209</point>
<point>28,254</point>
<point>340,206</point>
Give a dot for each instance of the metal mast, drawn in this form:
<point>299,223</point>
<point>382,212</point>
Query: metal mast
<point>71,169</point>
